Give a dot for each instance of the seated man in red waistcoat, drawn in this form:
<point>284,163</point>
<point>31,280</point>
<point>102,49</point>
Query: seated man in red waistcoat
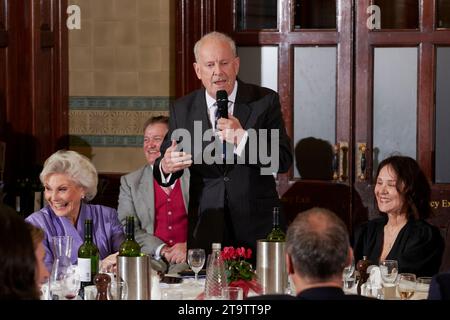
<point>160,213</point>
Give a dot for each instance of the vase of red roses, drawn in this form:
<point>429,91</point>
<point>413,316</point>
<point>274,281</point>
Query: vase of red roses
<point>240,272</point>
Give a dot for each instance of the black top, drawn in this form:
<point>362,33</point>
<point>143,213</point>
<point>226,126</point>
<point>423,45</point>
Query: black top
<point>418,247</point>
<point>329,293</point>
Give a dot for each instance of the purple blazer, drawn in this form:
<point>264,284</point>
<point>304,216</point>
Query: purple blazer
<point>107,230</point>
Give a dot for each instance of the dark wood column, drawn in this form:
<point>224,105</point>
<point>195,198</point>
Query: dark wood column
<point>194,19</point>
<point>33,82</point>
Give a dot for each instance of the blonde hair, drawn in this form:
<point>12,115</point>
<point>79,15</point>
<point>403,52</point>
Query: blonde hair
<point>78,167</point>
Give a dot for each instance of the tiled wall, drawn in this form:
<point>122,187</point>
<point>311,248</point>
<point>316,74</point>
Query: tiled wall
<point>121,71</point>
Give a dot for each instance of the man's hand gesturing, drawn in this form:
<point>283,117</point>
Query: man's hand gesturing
<point>174,161</point>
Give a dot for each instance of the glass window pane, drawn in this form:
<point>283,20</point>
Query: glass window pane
<point>394,103</point>
<point>399,14</point>
<point>443,13</point>
<point>442,115</point>
<point>259,65</point>
<point>315,14</point>
<point>256,14</point>
<point>314,111</point>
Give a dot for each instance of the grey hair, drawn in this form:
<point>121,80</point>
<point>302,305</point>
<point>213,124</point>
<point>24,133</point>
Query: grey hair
<point>217,36</point>
<point>318,243</point>
<point>78,167</point>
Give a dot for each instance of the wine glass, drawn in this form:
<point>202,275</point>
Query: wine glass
<point>71,283</point>
<point>196,260</point>
<point>406,285</point>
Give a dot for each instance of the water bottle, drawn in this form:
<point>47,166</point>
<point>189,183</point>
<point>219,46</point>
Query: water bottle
<point>216,278</point>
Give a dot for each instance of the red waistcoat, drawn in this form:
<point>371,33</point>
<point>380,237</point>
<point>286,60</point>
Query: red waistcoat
<point>170,215</point>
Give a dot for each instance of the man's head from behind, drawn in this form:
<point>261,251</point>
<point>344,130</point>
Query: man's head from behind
<point>155,129</point>
<point>318,247</point>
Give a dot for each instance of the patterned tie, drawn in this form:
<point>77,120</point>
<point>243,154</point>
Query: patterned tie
<point>216,115</point>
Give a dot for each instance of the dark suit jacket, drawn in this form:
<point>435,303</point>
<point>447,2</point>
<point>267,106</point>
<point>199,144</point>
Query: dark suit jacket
<point>440,287</point>
<point>319,293</point>
<point>240,190</point>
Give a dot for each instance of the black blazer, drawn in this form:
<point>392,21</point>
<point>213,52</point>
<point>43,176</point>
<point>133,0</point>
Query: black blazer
<point>239,188</point>
<point>319,293</point>
<point>440,287</point>
<point>418,247</point>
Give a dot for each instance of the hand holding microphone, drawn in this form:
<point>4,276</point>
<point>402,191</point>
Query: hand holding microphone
<point>229,128</point>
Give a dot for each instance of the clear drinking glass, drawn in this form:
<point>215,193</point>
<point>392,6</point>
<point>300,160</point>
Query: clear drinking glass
<point>406,285</point>
<point>71,283</point>
<point>423,284</point>
<point>232,293</point>
<point>62,249</point>
<point>118,290</point>
<point>349,277</point>
<point>196,260</point>
<point>389,271</point>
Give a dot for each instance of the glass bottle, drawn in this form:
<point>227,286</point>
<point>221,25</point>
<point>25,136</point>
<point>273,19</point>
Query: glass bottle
<point>216,278</point>
<point>129,248</point>
<point>88,258</point>
<point>276,235</point>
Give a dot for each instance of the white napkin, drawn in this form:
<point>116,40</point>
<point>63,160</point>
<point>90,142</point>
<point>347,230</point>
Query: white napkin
<point>373,287</point>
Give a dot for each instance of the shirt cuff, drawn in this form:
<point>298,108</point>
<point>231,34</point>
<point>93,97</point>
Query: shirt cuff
<point>240,147</point>
<point>164,179</point>
<point>158,251</point>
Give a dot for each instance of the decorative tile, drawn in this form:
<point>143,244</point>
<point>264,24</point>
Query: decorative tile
<point>101,122</point>
<point>120,103</point>
<point>106,141</point>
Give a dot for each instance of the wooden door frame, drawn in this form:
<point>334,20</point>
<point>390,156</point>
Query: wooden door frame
<point>34,105</point>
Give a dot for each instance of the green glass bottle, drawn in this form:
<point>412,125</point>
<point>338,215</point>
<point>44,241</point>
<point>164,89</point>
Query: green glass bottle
<point>88,258</point>
<point>129,248</point>
<point>276,235</point>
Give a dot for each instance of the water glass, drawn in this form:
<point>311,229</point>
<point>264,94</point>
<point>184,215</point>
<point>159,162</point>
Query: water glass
<point>171,294</point>
<point>118,290</point>
<point>90,292</point>
<point>389,271</point>
<point>423,284</point>
<point>232,293</point>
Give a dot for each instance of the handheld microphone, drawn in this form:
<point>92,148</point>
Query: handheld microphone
<point>222,109</point>
<point>222,103</point>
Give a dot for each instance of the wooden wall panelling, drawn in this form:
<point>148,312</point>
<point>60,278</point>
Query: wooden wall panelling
<point>3,66</point>
<point>36,111</point>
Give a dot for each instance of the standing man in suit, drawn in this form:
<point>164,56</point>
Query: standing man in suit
<point>230,202</point>
<point>159,212</point>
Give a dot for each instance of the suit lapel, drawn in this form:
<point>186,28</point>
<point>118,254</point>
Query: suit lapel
<point>200,111</point>
<point>146,192</point>
<point>241,108</point>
